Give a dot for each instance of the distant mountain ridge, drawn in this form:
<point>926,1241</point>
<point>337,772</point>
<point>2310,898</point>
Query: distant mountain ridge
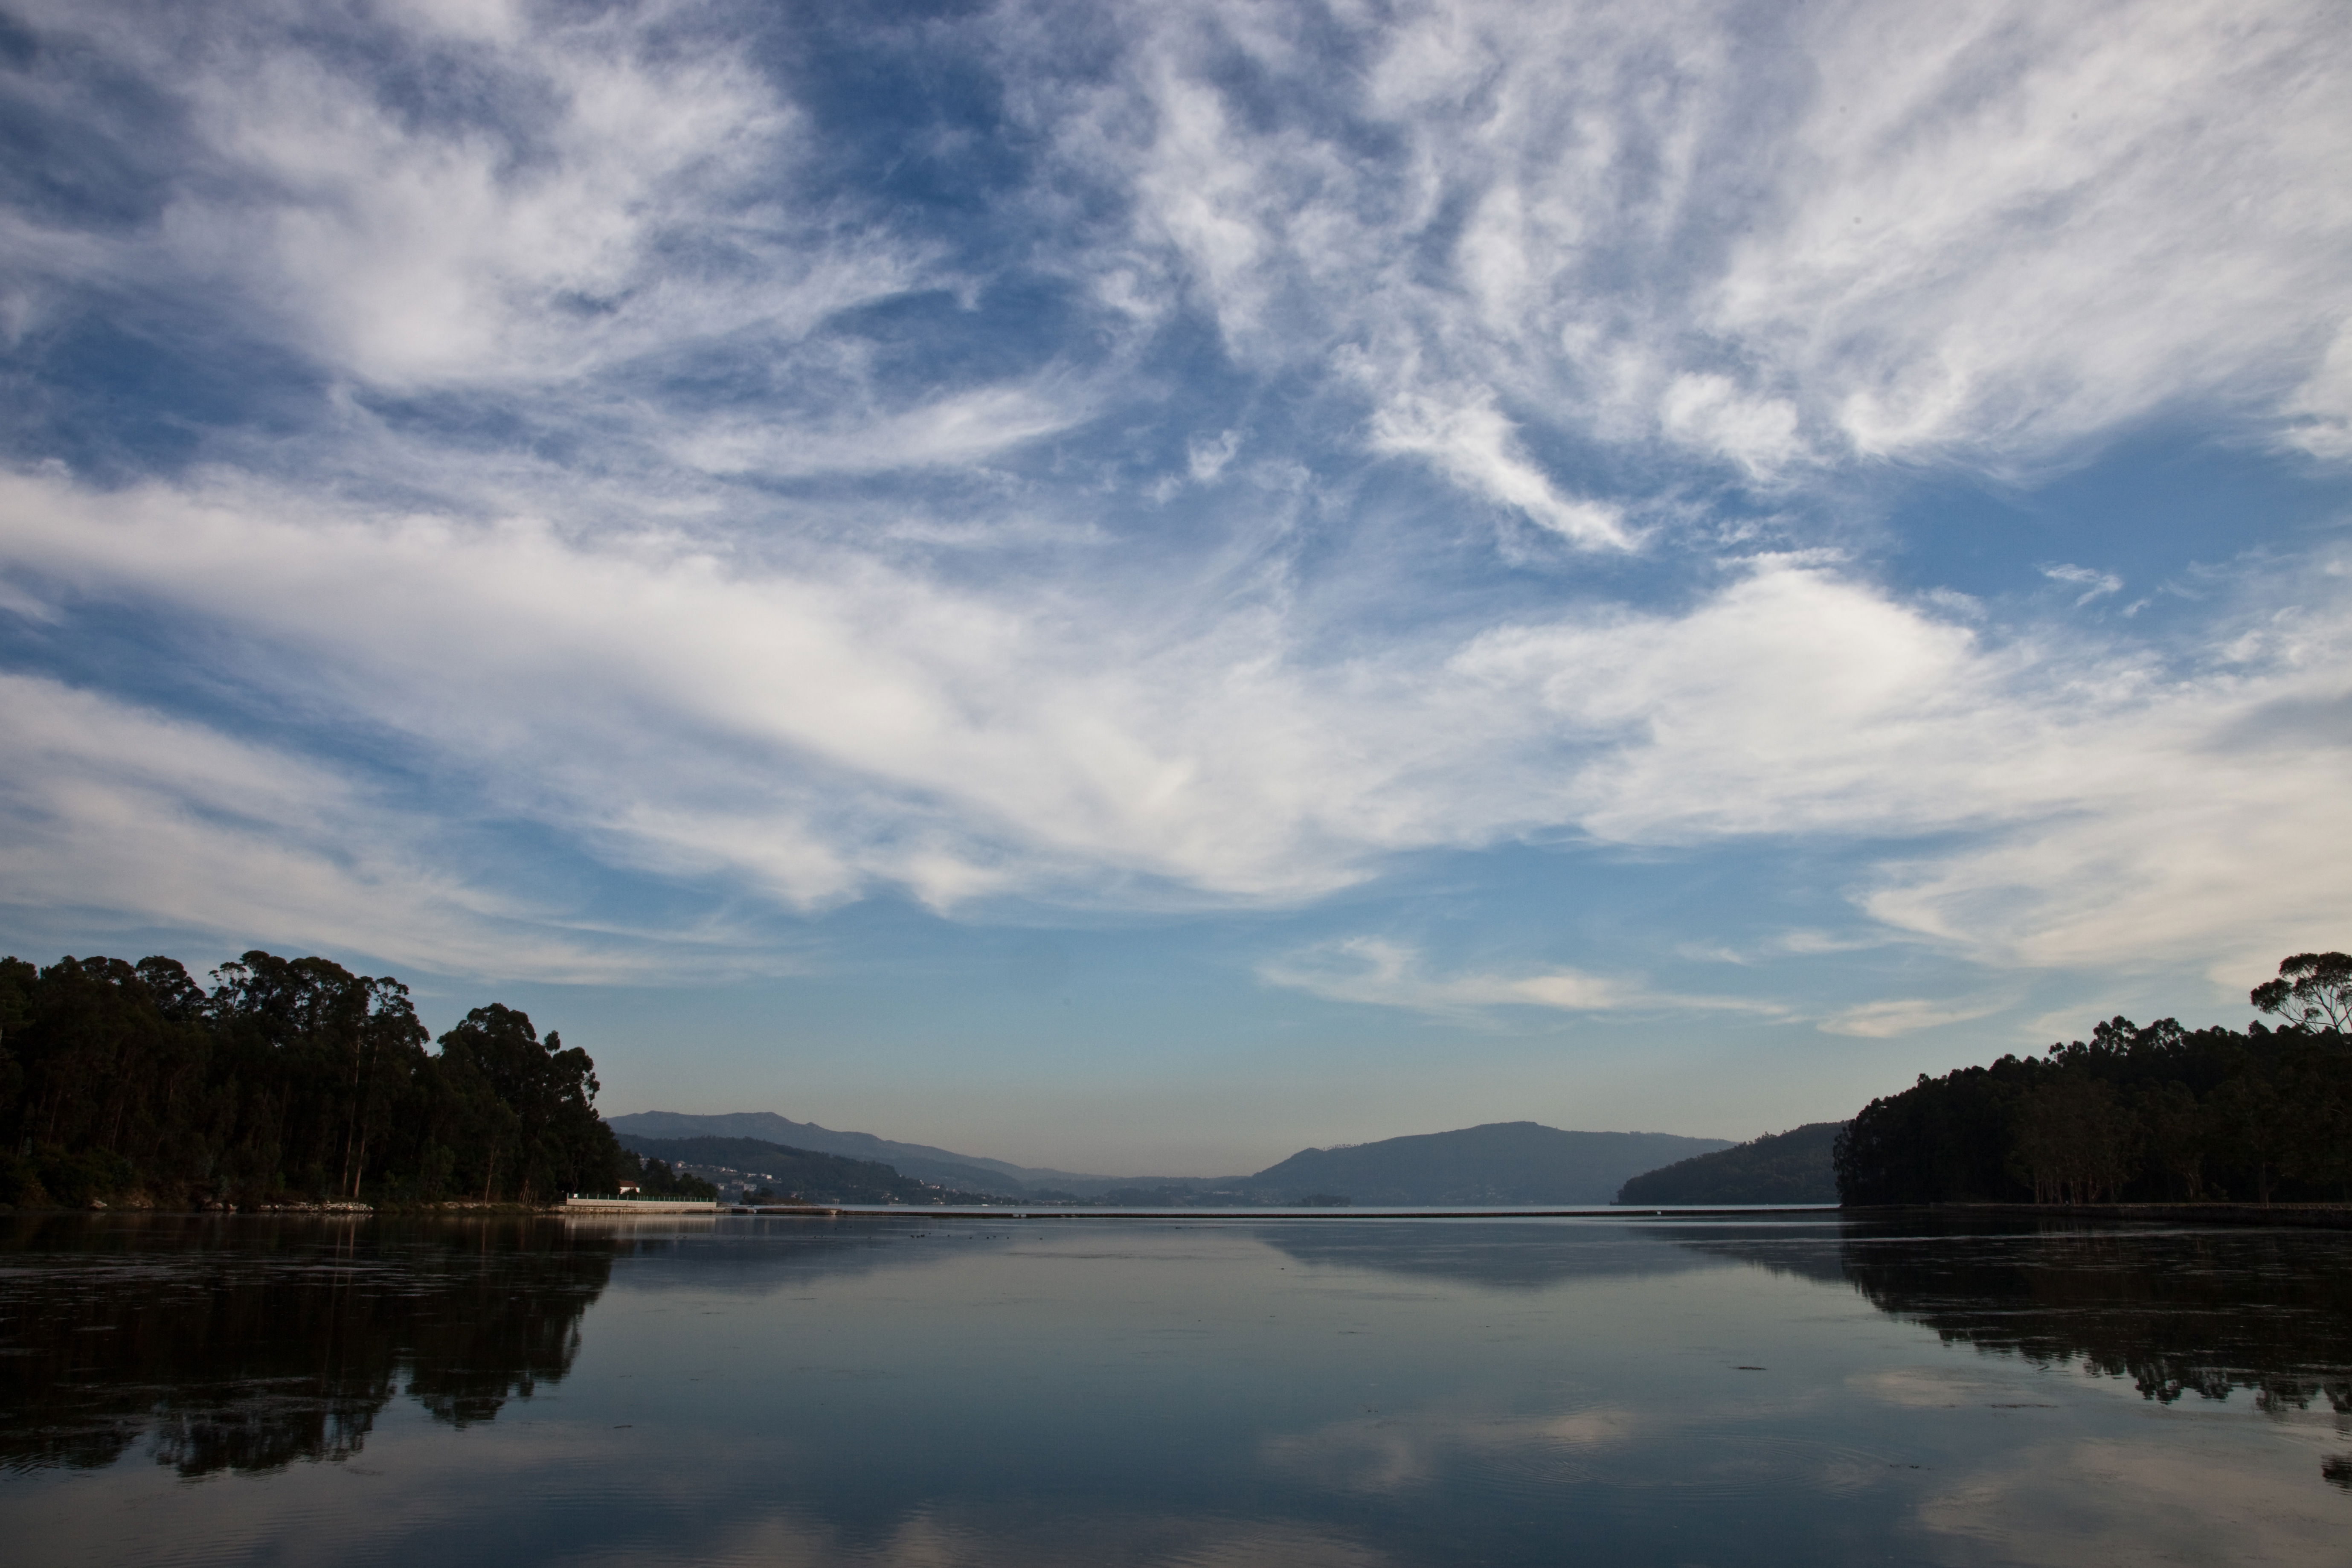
<point>972,1172</point>
<point>1502,1162</point>
<point>1791,1167</point>
<point>1498,1163</point>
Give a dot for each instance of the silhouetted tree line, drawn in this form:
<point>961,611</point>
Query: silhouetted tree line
<point>290,1077</point>
<point>2156,1114</point>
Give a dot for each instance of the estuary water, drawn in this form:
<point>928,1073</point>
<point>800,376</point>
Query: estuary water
<point>905,1393</point>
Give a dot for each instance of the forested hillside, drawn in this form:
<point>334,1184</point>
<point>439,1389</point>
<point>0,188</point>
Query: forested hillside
<point>1792,1167</point>
<point>969,1172</point>
<point>288,1079</point>
<point>788,1174</point>
<point>2156,1113</point>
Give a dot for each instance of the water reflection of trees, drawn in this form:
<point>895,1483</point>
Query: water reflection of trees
<point>2177,1312</point>
<point>232,1346</point>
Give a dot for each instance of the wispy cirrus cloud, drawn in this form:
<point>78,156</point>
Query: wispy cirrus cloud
<point>1378,1457</point>
<point>525,231</point>
<point>1376,971</point>
<point>1885,1020</point>
<point>2095,585</point>
<point>633,446</point>
<point>1978,233</point>
<point>820,730</point>
<point>1472,444</point>
<point>122,816</point>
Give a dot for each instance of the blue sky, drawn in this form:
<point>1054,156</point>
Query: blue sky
<point>1140,587</point>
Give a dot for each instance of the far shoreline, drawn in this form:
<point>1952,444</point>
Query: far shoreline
<point>2302,1215</point>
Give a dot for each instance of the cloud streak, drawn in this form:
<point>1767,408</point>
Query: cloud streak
<point>816,732</point>
<point>139,819</point>
<point>1376,971</point>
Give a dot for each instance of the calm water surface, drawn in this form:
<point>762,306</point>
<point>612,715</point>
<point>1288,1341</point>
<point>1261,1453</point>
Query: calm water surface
<point>1209,1392</point>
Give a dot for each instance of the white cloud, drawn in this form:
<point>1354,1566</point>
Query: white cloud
<point>121,815</point>
<point>537,241</point>
<point>2007,227</point>
<point>17,602</point>
<point>2320,412</point>
<point>968,427</point>
<point>2095,584</point>
<point>819,728</point>
<point>1975,233</point>
<point>1376,971</point>
<point>1475,445</point>
<point>1207,459</point>
<point>813,728</point>
<point>1554,253</point>
<point>2114,813</point>
<point>1902,1016</point>
<point>1711,412</point>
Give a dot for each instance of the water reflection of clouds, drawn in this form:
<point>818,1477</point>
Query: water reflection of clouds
<point>1231,1394</point>
<point>1932,1387</point>
<point>948,1537</point>
<point>2098,1502</point>
<point>2163,1315</point>
<point>1394,1453</point>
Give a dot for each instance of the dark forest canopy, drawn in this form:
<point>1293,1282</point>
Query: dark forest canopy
<point>289,1078</point>
<point>2156,1114</point>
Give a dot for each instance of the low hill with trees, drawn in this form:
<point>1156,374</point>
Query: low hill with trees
<point>967,1173</point>
<point>925,1163</point>
<point>2159,1113</point>
<point>288,1078</point>
<point>788,1174</point>
<point>1792,1167</point>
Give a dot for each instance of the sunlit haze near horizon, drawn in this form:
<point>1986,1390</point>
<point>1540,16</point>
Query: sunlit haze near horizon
<point>1138,587</point>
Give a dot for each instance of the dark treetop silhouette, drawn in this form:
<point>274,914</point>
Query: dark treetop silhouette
<point>290,1077</point>
<point>2156,1114</point>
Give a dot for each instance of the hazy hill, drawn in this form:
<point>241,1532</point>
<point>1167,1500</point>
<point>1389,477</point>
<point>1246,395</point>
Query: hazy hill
<point>1791,1167</point>
<point>1501,1162</point>
<point>808,1173</point>
<point>973,1172</point>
